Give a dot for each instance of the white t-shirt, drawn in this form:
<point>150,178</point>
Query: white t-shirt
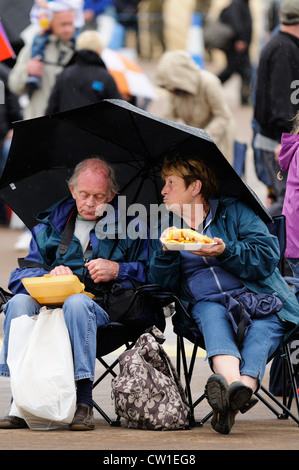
<point>82,230</point>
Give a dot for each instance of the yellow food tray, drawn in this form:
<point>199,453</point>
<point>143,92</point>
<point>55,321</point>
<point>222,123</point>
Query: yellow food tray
<point>53,290</point>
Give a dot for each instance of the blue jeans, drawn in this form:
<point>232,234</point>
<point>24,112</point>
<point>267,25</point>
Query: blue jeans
<point>82,317</point>
<point>261,341</point>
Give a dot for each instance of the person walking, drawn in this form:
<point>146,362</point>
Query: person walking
<point>238,16</point>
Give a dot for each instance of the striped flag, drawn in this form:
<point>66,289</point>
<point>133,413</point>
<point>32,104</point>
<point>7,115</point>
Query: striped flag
<point>6,51</point>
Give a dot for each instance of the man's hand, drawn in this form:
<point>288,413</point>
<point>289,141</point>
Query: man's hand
<point>35,66</point>
<point>102,270</point>
<point>61,271</point>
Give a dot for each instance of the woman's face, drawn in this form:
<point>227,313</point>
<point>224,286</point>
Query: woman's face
<point>175,194</point>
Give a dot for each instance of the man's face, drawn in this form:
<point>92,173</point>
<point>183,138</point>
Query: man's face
<point>62,24</point>
<point>91,193</point>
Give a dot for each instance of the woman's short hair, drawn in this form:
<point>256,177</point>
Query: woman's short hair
<point>191,169</point>
<point>94,164</point>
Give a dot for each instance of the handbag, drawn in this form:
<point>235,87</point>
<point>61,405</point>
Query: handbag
<point>41,369</point>
<point>123,302</point>
<point>148,392</point>
<point>132,303</point>
<point>218,35</point>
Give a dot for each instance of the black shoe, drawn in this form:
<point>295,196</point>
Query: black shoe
<point>83,419</point>
<point>12,422</point>
<point>248,405</point>
<point>216,392</point>
<point>239,396</point>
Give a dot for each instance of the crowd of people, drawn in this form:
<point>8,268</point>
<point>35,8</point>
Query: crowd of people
<point>62,68</point>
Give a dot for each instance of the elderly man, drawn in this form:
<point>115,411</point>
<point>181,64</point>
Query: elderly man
<point>58,53</point>
<point>92,187</point>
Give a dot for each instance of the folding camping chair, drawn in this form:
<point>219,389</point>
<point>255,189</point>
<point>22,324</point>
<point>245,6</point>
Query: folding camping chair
<point>186,328</point>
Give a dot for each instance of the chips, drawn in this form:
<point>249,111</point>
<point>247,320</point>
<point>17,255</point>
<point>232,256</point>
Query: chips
<point>187,236</point>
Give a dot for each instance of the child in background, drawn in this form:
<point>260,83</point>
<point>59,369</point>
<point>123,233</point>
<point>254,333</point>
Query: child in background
<point>289,161</point>
<point>41,13</point>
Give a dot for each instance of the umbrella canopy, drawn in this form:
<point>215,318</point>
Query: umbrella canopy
<point>45,150</point>
<point>129,77</point>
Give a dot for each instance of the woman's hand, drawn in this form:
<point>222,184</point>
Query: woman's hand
<point>164,235</point>
<point>211,251</point>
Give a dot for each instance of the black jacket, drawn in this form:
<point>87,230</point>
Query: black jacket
<point>276,98</point>
<point>84,82</point>
<point>10,109</point>
<point>238,16</point>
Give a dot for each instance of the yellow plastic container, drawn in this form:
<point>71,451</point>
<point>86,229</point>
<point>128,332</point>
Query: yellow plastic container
<point>53,290</point>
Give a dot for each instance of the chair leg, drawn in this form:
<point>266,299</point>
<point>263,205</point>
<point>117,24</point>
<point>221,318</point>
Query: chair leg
<point>106,417</point>
<point>286,411</point>
<point>293,372</point>
<point>287,397</point>
<point>181,356</point>
<point>188,371</point>
<point>108,370</point>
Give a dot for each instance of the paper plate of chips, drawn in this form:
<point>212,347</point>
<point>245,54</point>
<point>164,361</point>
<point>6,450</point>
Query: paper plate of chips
<point>186,240</point>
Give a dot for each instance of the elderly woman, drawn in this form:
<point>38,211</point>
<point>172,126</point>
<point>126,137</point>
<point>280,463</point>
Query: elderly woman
<point>239,269</point>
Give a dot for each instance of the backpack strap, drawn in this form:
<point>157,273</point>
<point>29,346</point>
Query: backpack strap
<point>67,234</point>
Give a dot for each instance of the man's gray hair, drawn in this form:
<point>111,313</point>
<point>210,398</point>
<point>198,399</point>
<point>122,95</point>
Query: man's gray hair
<point>95,163</point>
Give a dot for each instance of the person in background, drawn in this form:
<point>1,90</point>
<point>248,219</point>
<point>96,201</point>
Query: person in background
<point>100,15</point>
<point>58,53</point>
<point>275,99</point>
<point>10,111</point>
<point>42,13</point>
<point>196,97</point>
<point>88,76</point>
<point>238,16</point>
<point>289,162</point>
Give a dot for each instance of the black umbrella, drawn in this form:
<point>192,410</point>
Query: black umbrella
<point>45,150</point>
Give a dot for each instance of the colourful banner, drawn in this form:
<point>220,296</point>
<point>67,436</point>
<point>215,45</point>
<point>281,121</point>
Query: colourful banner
<point>6,51</point>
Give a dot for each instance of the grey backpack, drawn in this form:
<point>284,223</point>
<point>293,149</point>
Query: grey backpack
<point>148,392</point>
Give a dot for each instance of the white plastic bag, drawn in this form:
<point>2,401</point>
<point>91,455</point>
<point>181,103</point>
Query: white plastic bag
<point>41,369</point>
